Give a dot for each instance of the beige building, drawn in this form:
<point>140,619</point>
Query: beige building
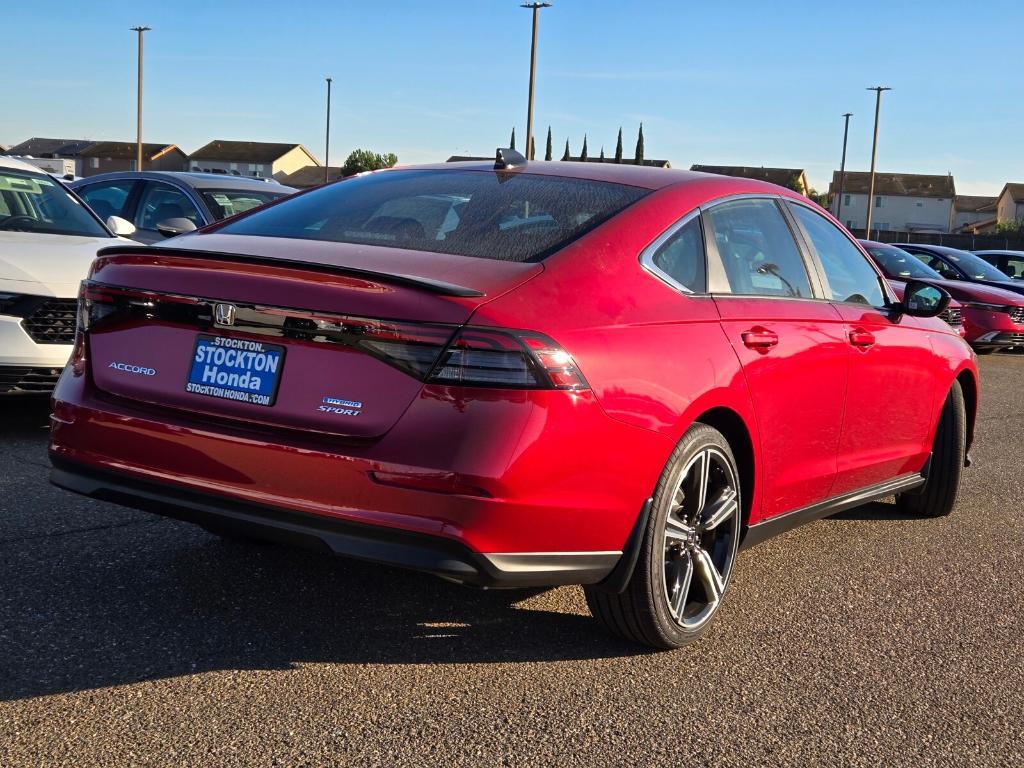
<point>1010,203</point>
<point>251,158</point>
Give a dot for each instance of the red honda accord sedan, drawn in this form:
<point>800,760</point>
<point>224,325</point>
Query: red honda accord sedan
<point>518,374</point>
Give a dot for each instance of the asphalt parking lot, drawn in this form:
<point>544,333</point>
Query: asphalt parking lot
<point>864,639</point>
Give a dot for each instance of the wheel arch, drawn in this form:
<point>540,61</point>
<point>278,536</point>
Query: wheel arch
<point>734,429</point>
<point>969,385</point>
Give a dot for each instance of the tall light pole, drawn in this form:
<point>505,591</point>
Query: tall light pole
<point>535,7</point>
<point>842,167</point>
<point>327,136</point>
<point>874,151</point>
<point>138,113</point>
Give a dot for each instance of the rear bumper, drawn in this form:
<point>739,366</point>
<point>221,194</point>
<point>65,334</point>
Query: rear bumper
<point>432,554</point>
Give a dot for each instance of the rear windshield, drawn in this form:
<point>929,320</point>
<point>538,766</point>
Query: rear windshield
<point>509,216</point>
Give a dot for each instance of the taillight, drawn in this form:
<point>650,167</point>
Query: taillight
<point>488,357</point>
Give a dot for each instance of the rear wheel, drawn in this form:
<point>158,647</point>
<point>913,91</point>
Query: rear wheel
<point>687,552</point>
<point>937,497</point>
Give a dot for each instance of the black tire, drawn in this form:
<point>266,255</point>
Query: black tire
<point>644,612</point>
<point>937,497</point>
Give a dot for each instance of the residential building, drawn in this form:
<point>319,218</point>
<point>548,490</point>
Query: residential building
<point>903,202</point>
<point>1010,204</point>
<point>311,176</point>
<point>37,147</point>
<point>973,213</point>
<point>790,178</point>
<point>107,156</point>
<point>251,158</point>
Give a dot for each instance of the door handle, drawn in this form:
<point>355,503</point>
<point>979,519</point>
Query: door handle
<point>760,338</point>
<point>861,338</point>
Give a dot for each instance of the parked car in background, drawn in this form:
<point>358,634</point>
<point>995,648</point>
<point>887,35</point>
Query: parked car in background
<point>954,264</point>
<point>596,374</point>
<point>48,239</point>
<point>1011,263</point>
<point>992,318</point>
<point>163,204</point>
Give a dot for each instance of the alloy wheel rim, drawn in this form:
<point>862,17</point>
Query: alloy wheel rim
<point>701,533</point>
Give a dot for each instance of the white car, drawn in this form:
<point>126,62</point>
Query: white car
<point>48,239</point>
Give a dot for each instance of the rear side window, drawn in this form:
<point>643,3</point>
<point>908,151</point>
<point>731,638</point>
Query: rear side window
<point>509,216</point>
<point>850,277</point>
<point>107,198</point>
<point>681,257</point>
<point>162,202</point>
<point>758,250</point>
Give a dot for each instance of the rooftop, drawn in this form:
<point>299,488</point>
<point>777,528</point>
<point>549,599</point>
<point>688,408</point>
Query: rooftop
<point>126,150</point>
<point>784,177</point>
<point>40,147</point>
<point>245,151</point>
<point>974,203</point>
<point>895,184</point>
<point>1016,191</point>
<point>311,176</point>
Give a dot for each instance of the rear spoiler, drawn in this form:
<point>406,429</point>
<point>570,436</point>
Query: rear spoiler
<point>423,283</point>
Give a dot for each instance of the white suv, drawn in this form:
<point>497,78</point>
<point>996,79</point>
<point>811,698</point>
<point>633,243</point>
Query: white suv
<point>48,239</point>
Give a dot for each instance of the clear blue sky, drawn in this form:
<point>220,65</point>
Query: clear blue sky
<point>739,82</point>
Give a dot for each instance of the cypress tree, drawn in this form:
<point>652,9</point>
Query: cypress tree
<point>602,154</point>
<point>640,146</point>
<point>566,155</point>
<point>583,154</point>
<point>533,149</point>
<point>618,147</point>
<point>547,149</point>
<point>512,141</point>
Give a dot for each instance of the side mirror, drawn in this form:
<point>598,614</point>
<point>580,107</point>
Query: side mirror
<point>172,227</point>
<point>119,226</point>
<point>922,299</point>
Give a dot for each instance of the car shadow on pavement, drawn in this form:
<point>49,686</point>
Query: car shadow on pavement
<point>24,415</point>
<point>158,599</point>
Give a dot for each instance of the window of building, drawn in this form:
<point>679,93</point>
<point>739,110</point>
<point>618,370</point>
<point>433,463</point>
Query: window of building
<point>878,201</point>
<point>94,162</point>
<point>846,201</point>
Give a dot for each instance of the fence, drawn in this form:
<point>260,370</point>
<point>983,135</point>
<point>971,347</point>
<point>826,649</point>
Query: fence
<point>1008,242</point>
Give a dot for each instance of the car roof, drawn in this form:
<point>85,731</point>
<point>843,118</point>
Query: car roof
<point>877,243</point>
<point>648,177</point>
<point>19,165</point>
<point>939,248</point>
<point>1000,252</point>
<point>193,179</point>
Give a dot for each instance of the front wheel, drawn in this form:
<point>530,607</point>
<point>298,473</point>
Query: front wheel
<point>937,497</point>
<point>688,550</point>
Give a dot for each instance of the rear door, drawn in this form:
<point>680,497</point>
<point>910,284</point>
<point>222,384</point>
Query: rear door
<point>110,198</point>
<point>790,343</point>
<point>889,410</point>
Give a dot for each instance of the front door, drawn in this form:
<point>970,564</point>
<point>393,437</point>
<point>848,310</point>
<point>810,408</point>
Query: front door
<point>889,409</point>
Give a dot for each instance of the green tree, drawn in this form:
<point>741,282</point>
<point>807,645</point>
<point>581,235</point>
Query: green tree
<point>360,160</point>
<point>547,149</point>
<point>566,156</point>
<point>583,153</point>
<point>602,154</point>
<point>640,146</point>
<point>512,141</point>
<point>821,198</point>
<point>1009,227</point>
<point>533,149</point>
<point>618,147</point>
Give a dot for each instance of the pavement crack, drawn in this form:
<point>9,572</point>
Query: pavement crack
<point>73,531</point>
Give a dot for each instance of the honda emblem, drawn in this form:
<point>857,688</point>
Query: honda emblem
<point>224,314</point>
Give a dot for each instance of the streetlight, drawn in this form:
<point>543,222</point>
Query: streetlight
<point>533,73</point>
<point>842,167</point>
<point>874,150</point>
<point>327,136</point>
<point>138,114</point>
